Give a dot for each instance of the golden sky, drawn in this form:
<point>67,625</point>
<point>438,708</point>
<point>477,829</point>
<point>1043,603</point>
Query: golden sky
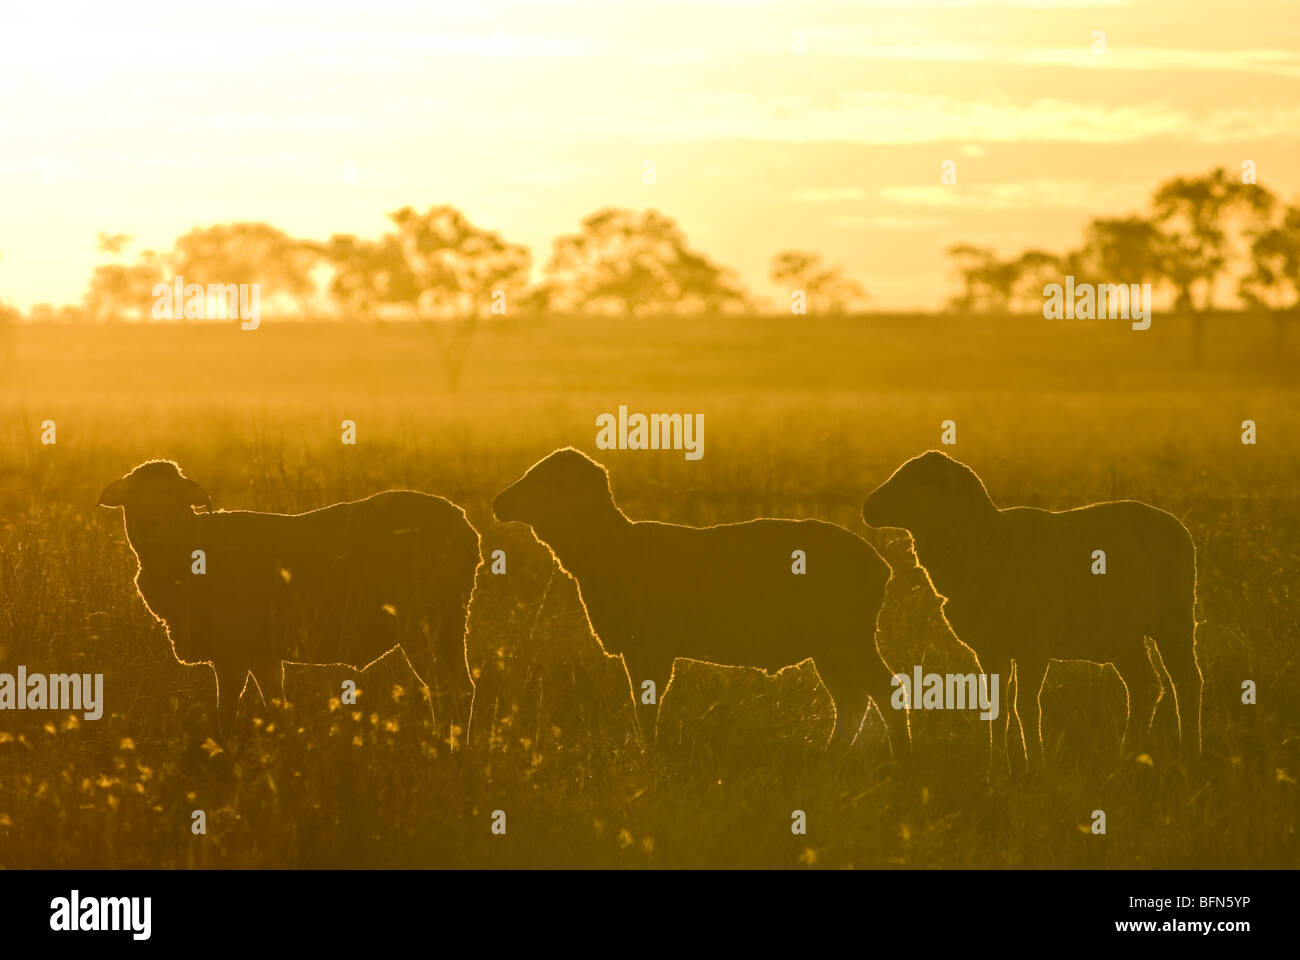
<point>149,118</point>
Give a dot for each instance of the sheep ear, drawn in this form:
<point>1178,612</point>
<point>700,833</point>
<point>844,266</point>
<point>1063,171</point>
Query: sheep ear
<point>114,495</point>
<point>198,497</point>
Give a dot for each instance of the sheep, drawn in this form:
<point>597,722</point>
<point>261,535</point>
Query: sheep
<point>725,594</point>
<point>344,584</point>
<point>1026,585</point>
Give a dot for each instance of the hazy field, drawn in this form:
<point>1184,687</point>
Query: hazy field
<point>802,418</point>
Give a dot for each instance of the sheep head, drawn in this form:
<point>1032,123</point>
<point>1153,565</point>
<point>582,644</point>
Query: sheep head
<point>927,490</point>
<point>151,494</point>
<point>564,490</point>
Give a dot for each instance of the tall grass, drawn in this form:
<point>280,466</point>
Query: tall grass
<point>802,418</point>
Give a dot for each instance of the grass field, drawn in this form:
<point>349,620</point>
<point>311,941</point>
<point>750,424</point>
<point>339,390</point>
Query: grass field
<point>803,417</point>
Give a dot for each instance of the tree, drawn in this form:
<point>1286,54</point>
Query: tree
<point>826,288</point>
<point>705,287</point>
<point>987,283</point>
<point>1001,280</point>
<point>1274,280</point>
<point>454,274</point>
<point>629,263</point>
<point>113,243</point>
<point>251,253</point>
<point>1194,214</point>
<point>122,291</point>
<point>969,263</point>
<point>458,271</point>
<point>9,318</point>
<point>1122,251</point>
<point>1034,270</point>
<point>366,274</point>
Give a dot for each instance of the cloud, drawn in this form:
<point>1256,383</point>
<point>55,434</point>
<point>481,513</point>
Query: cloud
<point>1285,63</point>
<point>891,222</point>
<point>827,194</point>
<point>888,117</point>
<point>1034,194</point>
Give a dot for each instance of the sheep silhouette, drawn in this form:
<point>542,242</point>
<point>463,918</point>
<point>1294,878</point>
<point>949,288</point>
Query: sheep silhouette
<point>344,584</point>
<point>1018,584</point>
<point>726,594</point>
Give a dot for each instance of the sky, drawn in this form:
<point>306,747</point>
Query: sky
<point>150,118</point>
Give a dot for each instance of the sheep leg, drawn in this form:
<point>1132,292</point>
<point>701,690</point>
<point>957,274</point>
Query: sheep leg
<point>421,663</point>
<point>853,688</point>
<point>268,674</point>
<point>441,660</point>
<point>230,687</point>
<point>879,685</point>
<point>850,700</point>
<point>455,674</point>
<point>1007,680</point>
<point>1030,673</point>
<point>647,707</point>
<point>1186,680</point>
<point>1143,686</point>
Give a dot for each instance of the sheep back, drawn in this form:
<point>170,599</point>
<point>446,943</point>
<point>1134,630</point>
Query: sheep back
<point>336,585</point>
<point>1034,587</point>
<point>728,594</point>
